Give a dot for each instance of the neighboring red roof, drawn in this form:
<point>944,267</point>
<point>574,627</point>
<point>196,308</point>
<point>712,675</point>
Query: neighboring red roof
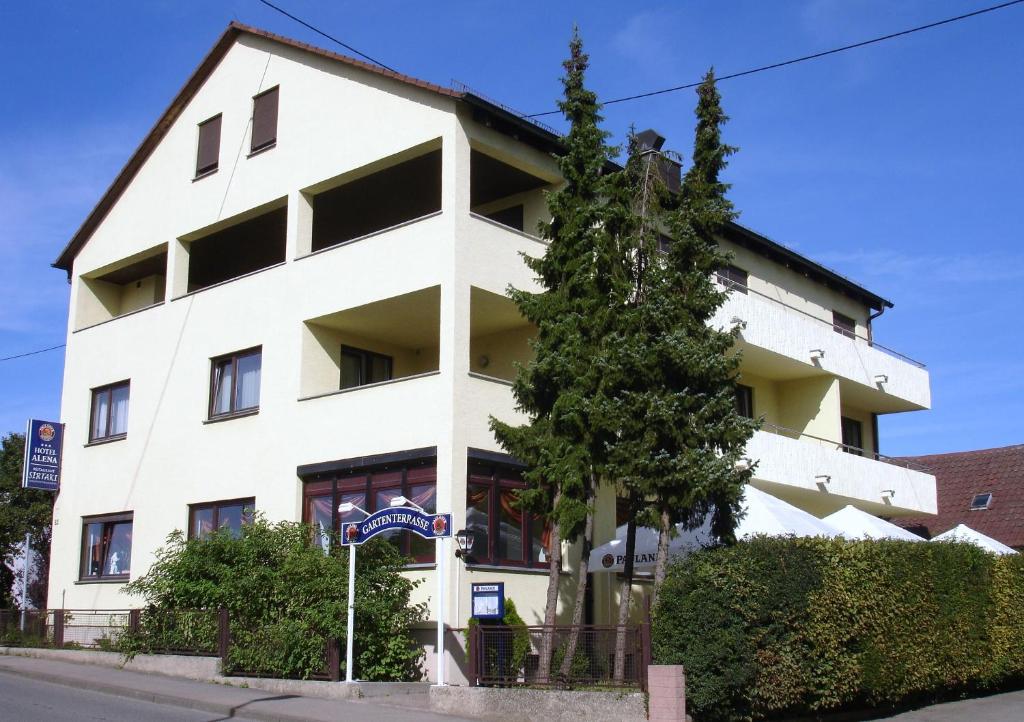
<point>962,475</point>
<point>187,92</point>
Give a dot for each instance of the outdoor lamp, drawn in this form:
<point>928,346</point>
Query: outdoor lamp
<point>347,507</point>
<point>402,501</point>
<point>464,538</point>
<point>881,379</point>
<point>817,353</point>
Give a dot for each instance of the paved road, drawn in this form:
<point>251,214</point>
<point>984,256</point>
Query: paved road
<point>29,700</point>
<point>1006,707</point>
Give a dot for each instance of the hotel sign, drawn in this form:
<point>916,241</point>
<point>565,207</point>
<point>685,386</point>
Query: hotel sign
<point>44,442</point>
<point>428,526</point>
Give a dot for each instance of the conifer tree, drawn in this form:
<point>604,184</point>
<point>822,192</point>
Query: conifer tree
<point>557,386</point>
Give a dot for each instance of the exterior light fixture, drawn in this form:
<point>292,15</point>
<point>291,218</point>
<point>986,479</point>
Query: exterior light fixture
<point>890,492</point>
<point>823,478</point>
<point>347,507</point>
<point>881,378</point>
<point>465,538</point>
<point>817,353</point>
<point>402,501</point>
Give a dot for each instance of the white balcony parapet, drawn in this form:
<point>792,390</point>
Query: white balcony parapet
<point>791,332</point>
<point>789,458</point>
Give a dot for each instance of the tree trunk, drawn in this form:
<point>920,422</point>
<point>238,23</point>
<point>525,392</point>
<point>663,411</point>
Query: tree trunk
<point>551,607</point>
<point>581,584</point>
<point>664,527</point>
<point>625,594</point>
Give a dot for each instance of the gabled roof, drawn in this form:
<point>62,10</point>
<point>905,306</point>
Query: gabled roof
<point>484,110</point>
<point>960,476</point>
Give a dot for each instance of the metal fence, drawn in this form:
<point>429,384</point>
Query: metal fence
<point>581,656</point>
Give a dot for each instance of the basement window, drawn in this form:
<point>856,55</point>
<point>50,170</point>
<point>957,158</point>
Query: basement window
<point>238,250</point>
<point>980,502</point>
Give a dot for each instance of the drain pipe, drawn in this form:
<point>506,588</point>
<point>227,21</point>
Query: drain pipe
<point>872,317</point>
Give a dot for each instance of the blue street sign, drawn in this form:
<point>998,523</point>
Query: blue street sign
<point>428,526</point>
<point>44,442</point>
<point>489,600</point>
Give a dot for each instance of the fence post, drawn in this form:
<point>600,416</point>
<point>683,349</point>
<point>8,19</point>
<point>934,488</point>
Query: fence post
<point>334,659</point>
<point>645,653</point>
<point>58,628</point>
<point>134,616</point>
<point>474,654</point>
<point>223,638</point>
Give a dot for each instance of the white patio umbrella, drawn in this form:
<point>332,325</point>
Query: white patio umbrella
<point>964,533</point>
<point>765,515</point>
<point>854,523</point>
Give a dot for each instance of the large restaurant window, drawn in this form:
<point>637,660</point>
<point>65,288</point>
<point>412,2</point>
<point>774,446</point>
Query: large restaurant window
<point>505,535</point>
<point>109,415</point>
<point>204,519</point>
<point>106,547</point>
<point>372,490</point>
<point>235,383</point>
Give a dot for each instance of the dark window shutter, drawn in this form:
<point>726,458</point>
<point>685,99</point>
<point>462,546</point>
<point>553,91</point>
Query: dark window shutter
<point>264,119</point>
<point>209,146</point>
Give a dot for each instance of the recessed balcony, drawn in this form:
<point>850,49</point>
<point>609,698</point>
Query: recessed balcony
<point>822,476</point>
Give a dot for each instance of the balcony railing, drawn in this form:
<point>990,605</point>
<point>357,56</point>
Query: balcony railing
<point>853,335</point>
<point>840,446</point>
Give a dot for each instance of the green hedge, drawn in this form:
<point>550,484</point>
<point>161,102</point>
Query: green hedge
<point>783,627</point>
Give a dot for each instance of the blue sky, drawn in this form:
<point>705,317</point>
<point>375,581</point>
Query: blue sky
<point>899,165</point>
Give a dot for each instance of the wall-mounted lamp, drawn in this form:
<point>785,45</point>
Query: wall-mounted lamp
<point>889,492</point>
<point>737,321</point>
<point>817,353</point>
<point>402,501</point>
<point>465,538</point>
<point>823,478</point>
<point>347,507</point>
<point>881,379</point>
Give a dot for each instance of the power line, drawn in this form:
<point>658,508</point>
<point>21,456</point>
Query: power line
<point>32,353</point>
<point>814,56</point>
<point>317,30</point>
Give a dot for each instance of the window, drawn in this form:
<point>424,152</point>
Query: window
<point>204,519</point>
<point>981,502</point>
<point>664,243</point>
<point>106,547</point>
<point>853,436</point>
<point>208,154</point>
<point>235,383</point>
<point>372,490</point>
<point>359,367</point>
<point>511,217</point>
<point>109,416</point>
<point>734,278</point>
<point>844,325</point>
<point>745,401</point>
<point>504,534</point>
<point>264,120</point>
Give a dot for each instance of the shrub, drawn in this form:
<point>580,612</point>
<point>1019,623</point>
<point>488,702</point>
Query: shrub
<point>504,662</point>
<point>286,598</point>
<point>782,627</point>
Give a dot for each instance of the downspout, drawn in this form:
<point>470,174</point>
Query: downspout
<point>872,317</point>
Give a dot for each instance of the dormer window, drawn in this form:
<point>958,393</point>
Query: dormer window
<point>981,502</point>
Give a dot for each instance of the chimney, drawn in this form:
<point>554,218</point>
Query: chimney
<point>650,141</point>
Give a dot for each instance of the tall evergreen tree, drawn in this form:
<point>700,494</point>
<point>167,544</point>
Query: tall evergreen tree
<point>555,389</point>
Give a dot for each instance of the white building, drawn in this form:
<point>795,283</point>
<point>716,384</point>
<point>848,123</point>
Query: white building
<point>293,296</point>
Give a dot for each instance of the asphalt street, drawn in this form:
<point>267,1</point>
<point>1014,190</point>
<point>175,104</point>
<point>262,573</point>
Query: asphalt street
<point>29,700</point>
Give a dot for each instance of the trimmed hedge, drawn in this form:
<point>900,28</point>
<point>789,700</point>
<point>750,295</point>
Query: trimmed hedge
<point>778,627</point>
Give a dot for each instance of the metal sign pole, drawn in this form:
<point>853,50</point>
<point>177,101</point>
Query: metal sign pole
<point>440,554</point>
<point>351,610</point>
<point>24,579</point>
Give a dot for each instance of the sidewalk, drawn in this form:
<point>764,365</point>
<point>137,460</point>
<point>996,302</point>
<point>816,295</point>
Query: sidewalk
<point>218,699</point>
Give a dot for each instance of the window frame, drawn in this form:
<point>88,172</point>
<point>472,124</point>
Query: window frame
<point>366,357</point>
<point>974,506</point>
<point>363,481</point>
<point>844,325</point>
<point>846,422</point>
<point>107,389</point>
<point>271,142</point>
<point>745,400</point>
<point>248,504</point>
<point>209,169</point>
<point>501,477</point>
<point>730,275</point>
<point>108,521</point>
<point>233,357</point>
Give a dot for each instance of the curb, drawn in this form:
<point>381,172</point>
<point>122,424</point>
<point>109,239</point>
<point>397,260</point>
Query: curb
<point>158,698</point>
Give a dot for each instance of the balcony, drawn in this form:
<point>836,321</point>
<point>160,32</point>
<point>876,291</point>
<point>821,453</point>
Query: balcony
<point>782,342</point>
<point>822,476</point>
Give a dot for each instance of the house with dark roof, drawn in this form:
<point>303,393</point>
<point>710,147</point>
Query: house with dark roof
<point>983,489</point>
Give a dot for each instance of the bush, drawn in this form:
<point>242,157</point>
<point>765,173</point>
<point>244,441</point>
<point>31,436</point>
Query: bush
<point>781,627</point>
<point>286,599</point>
<point>503,662</point>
